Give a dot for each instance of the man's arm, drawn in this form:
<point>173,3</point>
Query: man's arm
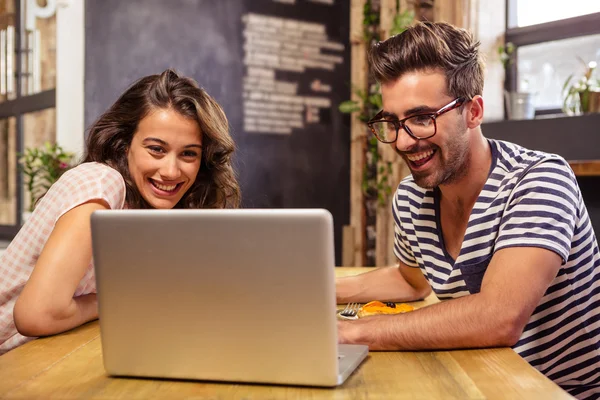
<point>401,283</point>
<point>512,287</point>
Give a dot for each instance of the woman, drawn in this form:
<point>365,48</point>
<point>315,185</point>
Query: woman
<point>164,144</point>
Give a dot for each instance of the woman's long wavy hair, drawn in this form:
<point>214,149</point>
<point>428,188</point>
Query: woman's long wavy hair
<point>110,136</point>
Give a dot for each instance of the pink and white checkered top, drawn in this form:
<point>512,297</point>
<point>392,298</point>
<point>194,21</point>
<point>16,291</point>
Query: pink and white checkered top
<point>79,185</point>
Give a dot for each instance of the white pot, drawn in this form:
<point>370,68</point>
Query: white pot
<point>520,105</point>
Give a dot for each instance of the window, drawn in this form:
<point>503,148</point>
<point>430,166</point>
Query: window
<point>553,40</point>
<point>533,12</point>
<point>27,97</point>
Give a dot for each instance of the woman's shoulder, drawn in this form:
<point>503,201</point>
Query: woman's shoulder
<point>91,180</point>
<point>91,172</point>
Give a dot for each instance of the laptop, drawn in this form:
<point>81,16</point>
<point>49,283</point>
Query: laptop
<point>220,295</point>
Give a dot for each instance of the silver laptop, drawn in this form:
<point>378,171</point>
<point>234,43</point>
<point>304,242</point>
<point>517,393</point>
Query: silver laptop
<point>220,295</point>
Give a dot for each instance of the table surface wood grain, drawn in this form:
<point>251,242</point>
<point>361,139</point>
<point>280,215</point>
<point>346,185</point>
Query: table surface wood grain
<point>69,366</point>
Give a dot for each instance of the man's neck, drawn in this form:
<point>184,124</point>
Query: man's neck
<point>461,195</point>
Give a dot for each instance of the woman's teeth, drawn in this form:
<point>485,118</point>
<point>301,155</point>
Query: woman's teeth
<point>419,156</point>
<point>166,188</point>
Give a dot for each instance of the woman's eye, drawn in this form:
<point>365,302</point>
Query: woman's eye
<point>156,149</point>
<point>190,154</point>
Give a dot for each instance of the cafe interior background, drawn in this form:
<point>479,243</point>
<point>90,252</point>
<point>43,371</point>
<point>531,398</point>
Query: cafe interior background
<point>293,80</point>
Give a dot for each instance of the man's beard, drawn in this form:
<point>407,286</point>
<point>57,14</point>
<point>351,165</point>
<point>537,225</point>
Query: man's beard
<point>453,167</point>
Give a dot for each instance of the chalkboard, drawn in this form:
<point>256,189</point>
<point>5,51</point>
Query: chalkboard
<point>207,40</point>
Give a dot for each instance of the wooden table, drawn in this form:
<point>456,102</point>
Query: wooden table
<point>69,366</point>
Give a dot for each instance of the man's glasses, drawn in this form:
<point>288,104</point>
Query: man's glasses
<point>419,126</point>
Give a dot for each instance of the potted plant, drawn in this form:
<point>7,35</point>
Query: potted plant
<point>506,54</point>
<point>42,167</point>
<point>582,95</point>
<point>375,183</point>
<point>377,179</point>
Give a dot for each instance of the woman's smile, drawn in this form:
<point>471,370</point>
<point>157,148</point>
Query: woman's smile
<point>165,189</point>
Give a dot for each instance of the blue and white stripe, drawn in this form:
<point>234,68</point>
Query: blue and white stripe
<point>530,199</point>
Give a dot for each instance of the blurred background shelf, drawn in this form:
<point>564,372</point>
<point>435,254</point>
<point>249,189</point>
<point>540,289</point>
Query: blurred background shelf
<point>585,167</point>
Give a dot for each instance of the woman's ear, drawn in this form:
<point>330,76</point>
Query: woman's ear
<point>474,111</point>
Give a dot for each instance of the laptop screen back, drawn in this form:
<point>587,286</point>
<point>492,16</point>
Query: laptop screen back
<point>232,295</point>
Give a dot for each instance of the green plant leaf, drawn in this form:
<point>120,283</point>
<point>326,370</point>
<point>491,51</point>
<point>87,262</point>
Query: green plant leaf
<point>360,93</point>
<point>376,101</point>
<point>567,81</point>
<point>402,21</point>
<point>349,106</point>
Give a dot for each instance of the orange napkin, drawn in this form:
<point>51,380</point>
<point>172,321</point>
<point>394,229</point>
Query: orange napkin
<point>378,307</point>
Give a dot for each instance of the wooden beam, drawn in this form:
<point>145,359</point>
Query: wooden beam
<point>461,13</point>
<point>347,245</point>
<point>585,167</point>
<point>385,227</point>
<point>387,13</point>
<point>357,132</point>
<point>383,220</point>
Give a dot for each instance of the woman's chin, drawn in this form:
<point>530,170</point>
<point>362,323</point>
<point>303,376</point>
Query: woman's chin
<point>164,205</point>
<point>161,204</point>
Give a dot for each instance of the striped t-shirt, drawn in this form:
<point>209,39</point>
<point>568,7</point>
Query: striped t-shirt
<point>529,199</point>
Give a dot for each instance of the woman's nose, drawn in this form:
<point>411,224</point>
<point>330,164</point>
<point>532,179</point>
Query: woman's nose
<point>170,169</point>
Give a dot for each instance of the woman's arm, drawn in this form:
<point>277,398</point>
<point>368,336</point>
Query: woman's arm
<point>46,305</point>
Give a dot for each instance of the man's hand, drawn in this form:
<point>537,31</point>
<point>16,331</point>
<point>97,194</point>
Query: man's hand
<point>347,332</point>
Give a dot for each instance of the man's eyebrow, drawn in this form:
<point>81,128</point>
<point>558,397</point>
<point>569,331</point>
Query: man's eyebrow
<point>419,110</point>
<point>423,109</point>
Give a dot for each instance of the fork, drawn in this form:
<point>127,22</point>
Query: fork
<point>351,311</point>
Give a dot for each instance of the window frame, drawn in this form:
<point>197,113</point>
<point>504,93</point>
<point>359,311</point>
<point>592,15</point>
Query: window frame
<point>583,25</point>
<point>16,108</point>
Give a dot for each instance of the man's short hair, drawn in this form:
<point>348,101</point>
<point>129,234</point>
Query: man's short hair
<point>429,46</point>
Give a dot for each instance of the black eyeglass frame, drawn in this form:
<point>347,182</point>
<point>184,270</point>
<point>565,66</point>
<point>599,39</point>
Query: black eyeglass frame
<point>399,123</point>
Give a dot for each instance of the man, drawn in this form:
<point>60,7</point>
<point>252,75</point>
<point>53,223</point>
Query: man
<point>499,231</point>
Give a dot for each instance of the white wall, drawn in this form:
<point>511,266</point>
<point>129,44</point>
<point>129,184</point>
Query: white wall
<point>70,58</point>
<point>491,17</point>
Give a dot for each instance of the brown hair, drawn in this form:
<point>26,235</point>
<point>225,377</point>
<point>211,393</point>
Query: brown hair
<point>431,45</point>
<point>110,136</point>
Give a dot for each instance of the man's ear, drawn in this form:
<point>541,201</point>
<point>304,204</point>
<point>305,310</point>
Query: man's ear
<point>474,112</point>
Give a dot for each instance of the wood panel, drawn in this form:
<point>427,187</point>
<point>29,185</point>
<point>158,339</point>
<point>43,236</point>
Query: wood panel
<point>462,13</point>
<point>358,132</point>
<point>585,167</point>
<point>8,199</point>
<point>29,360</point>
<point>384,241</point>
<point>384,245</point>
<point>47,28</point>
